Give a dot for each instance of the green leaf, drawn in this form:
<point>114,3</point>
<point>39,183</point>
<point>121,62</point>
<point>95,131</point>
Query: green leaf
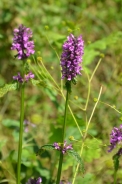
<point>7,88</point>
<point>73,131</point>
<point>43,172</point>
<point>94,49</point>
<point>53,36</point>
<point>2,143</point>
<point>56,133</point>
<point>38,83</point>
<point>35,82</point>
<point>45,147</point>
<point>10,123</point>
<point>89,55</point>
<point>92,150</point>
<point>77,157</point>
<point>87,179</point>
<point>116,162</point>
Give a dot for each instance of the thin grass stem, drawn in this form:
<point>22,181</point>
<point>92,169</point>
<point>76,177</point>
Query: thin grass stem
<point>86,131</point>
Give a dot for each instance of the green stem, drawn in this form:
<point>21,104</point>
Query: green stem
<point>65,115</point>
<point>63,136</point>
<point>20,132</point>
<point>115,177</point>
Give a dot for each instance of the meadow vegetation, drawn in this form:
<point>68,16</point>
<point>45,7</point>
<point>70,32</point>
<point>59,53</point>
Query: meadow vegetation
<point>94,103</point>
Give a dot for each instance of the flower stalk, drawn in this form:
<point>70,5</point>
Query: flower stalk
<point>71,59</point>
<point>21,128</point>
<point>24,47</point>
<point>63,136</point>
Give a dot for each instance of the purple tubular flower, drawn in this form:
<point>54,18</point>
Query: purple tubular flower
<point>71,58</point>
<point>21,42</point>
<point>27,124</point>
<point>34,181</point>
<point>116,138</point>
<point>26,78</point>
<point>30,75</point>
<point>56,145</point>
<point>18,78</point>
<point>63,148</point>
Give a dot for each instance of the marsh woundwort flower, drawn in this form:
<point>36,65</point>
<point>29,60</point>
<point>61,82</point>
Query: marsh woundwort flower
<point>34,181</point>
<point>116,138</point>
<point>63,148</point>
<point>71,58</point>
<point>22,43</point>
<point>18,78</point>
<point>26,78</point>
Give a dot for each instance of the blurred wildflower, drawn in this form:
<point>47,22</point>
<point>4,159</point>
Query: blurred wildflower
<point>116,138</point>
<point>21,42</point>
<point>34,181</point>
<point>63,148</point>
<point>71,58</point>
<point>27,124</point>
<point>19,78</point>
<point>30,75</point>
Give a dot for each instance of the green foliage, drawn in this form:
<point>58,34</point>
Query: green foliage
<point>10,123</point>
<point>77,158</point>
<point>45,147</point>
<point>2,143</point>
<point>73,131</point>
<point>92,149</point>
<point>86,179</point>
<point>7,88</point>
<point>55,134</point>
<point>95,49</point>
<point>44,172</point>
<point>99,22</point>
<point>38,83</point>
<point>116,162</point>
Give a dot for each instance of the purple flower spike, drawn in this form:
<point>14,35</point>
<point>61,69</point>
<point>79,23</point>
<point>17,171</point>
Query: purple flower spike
<point>34,181</point>
<point>71,58</point>
<point>63,148</point>
<point>21,42</point>
<point>116,138</point>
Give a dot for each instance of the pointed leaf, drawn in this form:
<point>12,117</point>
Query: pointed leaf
<point>116,162</point>
<point>77,157</point>
<point>6,88</point>
<point>45,147</point>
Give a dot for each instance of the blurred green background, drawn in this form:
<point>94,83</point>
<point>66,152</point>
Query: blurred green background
<point>100,23</point>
